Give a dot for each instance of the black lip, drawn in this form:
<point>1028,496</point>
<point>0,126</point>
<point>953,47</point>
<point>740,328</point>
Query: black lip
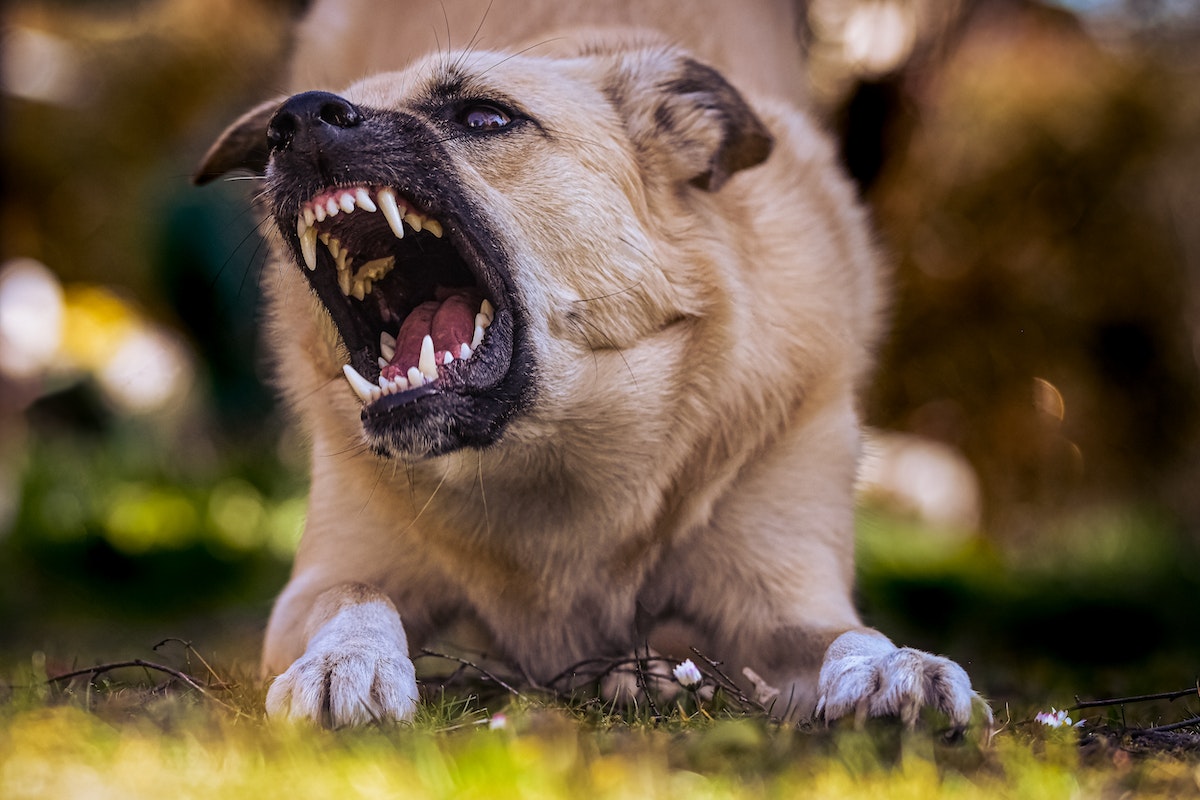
<point>473,400</point>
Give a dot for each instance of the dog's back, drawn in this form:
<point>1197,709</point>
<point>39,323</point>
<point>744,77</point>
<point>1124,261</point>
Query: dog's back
<point>758,43</point>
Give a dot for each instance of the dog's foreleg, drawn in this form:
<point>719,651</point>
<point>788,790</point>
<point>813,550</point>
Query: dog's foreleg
<point>864,674</point>
<point>355,668</point>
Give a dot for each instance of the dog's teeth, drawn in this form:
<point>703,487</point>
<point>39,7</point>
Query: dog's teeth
<point>319,212</point>
<point>346,202</point>
<point>331,207</point>
<point>344,281</point>
<point>487,310</point>
<point>464,351</point>
<point>426,362</point>
<point>375,270</point>
<point>382,362</point>
<point>309,217</point>
<point>358,290</point>
<point>415,378</point>
<point>364,200</point>
<point>387,345</point>
<point>335,247</point>
<point>481,321</point>
<point>361,386</point>
<point>308,245</point>
<point>477,337</point>
<point>391,211</point>
<point>446,358</point>
<point>434,227</point>
<point>415,220</point>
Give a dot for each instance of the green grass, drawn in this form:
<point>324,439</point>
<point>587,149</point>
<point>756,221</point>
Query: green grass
<point>138,733</point>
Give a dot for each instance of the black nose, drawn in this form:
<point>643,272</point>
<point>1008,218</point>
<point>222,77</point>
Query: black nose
<point>320,115</point>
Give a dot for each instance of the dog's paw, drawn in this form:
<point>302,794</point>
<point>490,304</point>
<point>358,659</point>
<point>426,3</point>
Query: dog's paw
<point>866,675</point>
<point>355,671</point>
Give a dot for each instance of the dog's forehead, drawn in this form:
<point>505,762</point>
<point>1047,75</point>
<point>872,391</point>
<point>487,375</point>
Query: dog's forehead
<point>479,75</point>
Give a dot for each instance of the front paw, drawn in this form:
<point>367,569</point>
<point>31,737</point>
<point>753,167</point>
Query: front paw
<point>865,674</point>
<point>355,671</point>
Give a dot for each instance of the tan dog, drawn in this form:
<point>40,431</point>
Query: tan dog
<point>602,318</point>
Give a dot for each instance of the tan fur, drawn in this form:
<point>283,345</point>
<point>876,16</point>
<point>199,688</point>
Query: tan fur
<point>692,446</point>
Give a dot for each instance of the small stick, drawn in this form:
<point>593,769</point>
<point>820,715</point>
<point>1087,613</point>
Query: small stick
<point>100,669</point>
<point>489,676</point>
<point>1081,704</point>
<point>1187,723</point>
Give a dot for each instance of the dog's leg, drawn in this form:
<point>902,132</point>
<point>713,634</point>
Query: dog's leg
<point>355,668</point>
<point>865,674</point>
<point>785,606</point>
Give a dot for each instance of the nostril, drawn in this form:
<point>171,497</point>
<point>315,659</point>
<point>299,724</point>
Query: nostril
<point>318,114</point>
<point>280,131</point>
<point>339,113</point>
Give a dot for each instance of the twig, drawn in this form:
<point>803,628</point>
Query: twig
<point>641,678</point>
<point>1081,704</point>
<point>1187,723</point>
<point>100,669</point>
<point>465,663</point>
<point>219,681</point>
<point>728,684</point>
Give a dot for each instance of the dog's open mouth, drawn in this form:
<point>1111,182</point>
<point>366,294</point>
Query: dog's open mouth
<point>414,312</point>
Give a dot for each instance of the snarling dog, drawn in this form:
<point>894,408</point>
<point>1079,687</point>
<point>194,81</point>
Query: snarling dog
<point>576,332</point>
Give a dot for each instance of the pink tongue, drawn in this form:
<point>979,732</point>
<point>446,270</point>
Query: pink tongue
<point>450,320</point>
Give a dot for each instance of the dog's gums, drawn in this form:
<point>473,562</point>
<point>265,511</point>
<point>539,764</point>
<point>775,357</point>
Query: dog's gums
<point>435,333</point>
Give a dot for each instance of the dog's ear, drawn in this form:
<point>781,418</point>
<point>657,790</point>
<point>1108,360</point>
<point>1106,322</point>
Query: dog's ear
<point>242,146</point>
<point>684,117</point>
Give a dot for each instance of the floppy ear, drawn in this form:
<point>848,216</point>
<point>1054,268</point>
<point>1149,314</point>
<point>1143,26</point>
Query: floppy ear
<point>684,117</point>
<point>242,146</point>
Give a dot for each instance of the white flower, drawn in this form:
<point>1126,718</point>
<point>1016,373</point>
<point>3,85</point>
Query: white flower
<point>688,675</point>
<point>498,722</point>
<point>1055,719</point>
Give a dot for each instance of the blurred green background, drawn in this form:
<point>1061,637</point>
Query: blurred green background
<point>1031,498</point>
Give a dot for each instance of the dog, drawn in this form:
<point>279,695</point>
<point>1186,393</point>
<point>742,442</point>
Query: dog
<point>575,321</point>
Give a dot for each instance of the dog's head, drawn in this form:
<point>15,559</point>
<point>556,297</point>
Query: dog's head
<point>452,219</point>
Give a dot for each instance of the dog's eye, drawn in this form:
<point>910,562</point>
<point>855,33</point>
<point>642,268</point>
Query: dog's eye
<point>483,118</point>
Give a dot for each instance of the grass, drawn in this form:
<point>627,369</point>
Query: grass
<point>139,732</point>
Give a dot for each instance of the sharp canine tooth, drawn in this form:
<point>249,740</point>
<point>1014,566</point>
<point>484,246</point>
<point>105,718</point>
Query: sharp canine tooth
<point>487,310</point>
<point>308,248</point>
<point>434,227</point>
<point>426,363</point>
<point>364,200</point>
<point>391,211</point>
<point>387,345</point>
<point>346,202</point>
<point>332,207</point>
<point>362,387</point>
<point>477,337</point>
<point>415,378</point>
